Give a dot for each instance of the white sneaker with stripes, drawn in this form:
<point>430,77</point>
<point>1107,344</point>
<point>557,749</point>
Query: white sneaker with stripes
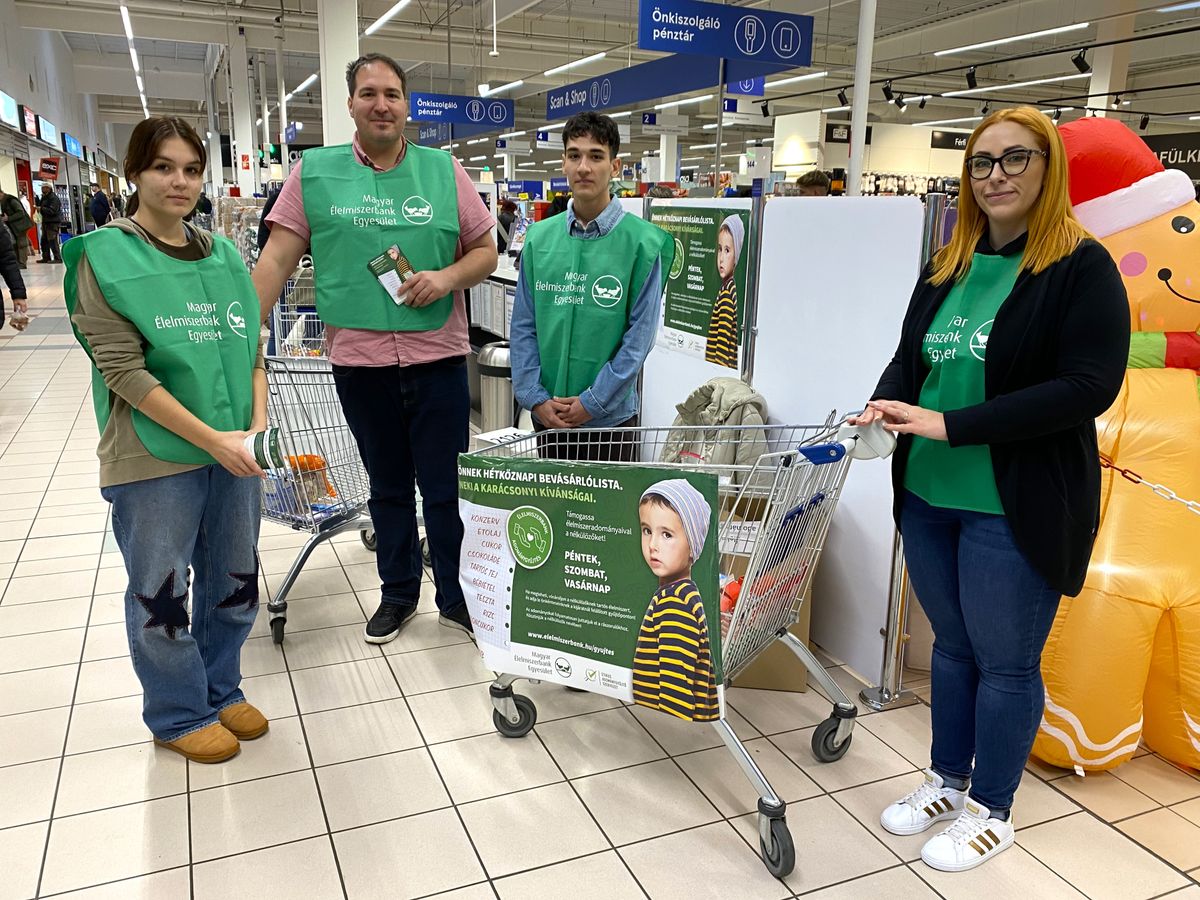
<point>931,802</point>
<point>973,839</point>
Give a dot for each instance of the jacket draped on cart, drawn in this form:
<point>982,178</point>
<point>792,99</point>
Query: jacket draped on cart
<point>718,406</point>
<point>1055,361</point>
<point>119,350</point>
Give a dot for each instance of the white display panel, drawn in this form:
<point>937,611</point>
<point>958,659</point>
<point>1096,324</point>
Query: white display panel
<point>834,282</point>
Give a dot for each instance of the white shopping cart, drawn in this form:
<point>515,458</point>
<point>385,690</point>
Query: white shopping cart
<point>774,516</point>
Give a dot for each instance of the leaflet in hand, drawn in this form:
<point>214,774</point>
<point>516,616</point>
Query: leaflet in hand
<point>392,268</point>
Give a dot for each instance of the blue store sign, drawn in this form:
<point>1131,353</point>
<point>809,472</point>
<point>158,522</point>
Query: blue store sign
<point>751,87</point>
<point>734,32</point>
<point>464,110</point>
<point>558,184</point>
<point>664,77</point>
<point>433,134</point>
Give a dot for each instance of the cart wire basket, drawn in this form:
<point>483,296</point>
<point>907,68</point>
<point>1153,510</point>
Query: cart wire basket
<point>324,488</point>
<point>775,509</point>
<point>297,329</point>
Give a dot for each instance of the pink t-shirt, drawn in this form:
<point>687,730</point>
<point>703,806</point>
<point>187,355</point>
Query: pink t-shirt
<point>358,347</point>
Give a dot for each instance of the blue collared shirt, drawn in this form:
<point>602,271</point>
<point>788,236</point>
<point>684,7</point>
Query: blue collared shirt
<point>612,398</point>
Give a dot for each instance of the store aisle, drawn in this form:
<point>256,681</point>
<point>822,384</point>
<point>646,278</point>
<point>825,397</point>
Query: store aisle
<point>382,775</point>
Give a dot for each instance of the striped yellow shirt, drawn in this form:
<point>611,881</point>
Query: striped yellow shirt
<point>672,665</point>
<point>722,347</point>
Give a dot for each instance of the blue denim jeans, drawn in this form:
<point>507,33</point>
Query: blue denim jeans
<point>410,424</point>
<point>189,665</point>
<point>991,614</point>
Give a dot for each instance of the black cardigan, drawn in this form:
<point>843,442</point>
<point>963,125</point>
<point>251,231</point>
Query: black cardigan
<point>1056,359</point>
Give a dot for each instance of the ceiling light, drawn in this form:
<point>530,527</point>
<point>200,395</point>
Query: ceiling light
<point>842,98</point>
<point>299,126</point>
<point>258,121</point>
<point>986,108</point>
<point>1116,101</point>
<point>512,134</point>
<point>707,146</point>
<point>141,85</point>
<point>972,81</point>
<point>1010,87</point>
<point>796,78</point>
<point>478,141</point>
<point>766,110</point>
<point>692,159</point>
<point>619,115</point>
<point>1016,37</point>
<point>501,89</point>
<point>1057,115</point>
<point>572,65</point>
<point>307,82</point>
<point>1194,118</point>
<point>887,91</point>
<point>900,104</point>
<point>483,89</point>
<point>921,105</point>
<point>1081,63</point>
<point>133,55</point>
<point>556,126</point>
<point>947,121</point>
<point>478,158</point>
<point>125,20</point>
<point>1178,7</point>
<point>833,109</point>
<point>682,102</point>
<point>1144,123</point>
<point>379,23</point>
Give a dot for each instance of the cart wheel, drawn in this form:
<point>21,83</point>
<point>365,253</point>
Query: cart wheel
<point>368,539</point>
<point>525,709</point>
<point>277,626</point>
<point>780,857</point>
<point>426,556</point>
<point>823,746</point>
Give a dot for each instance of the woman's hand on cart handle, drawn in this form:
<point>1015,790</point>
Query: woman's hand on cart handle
<point>904,418</point>
<point>866,417</point>
<point>229,449</point>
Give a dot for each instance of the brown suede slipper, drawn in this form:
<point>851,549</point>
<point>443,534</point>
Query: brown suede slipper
<point>244,721</point>
<point>212,744</point>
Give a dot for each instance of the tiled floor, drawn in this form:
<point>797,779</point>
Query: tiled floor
<point>383,777</point>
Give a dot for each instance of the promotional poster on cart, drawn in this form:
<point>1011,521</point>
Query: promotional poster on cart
<point>704,304</point>
<point>597,577</point>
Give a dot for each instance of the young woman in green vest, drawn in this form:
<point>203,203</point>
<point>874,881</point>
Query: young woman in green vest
<point>168,315</point>
<point>1014,341</point>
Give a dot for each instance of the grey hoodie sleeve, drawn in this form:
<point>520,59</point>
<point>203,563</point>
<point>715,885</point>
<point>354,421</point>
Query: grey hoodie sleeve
<point>117,345</point>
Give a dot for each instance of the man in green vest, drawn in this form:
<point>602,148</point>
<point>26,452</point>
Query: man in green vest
<point>396,336</point>
<point>587,305</point>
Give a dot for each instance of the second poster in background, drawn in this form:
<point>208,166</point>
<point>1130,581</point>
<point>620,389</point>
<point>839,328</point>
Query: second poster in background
<point>704,305</point>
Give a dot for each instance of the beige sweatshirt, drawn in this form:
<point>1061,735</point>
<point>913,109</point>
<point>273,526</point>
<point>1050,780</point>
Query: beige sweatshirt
<point>118,350</point>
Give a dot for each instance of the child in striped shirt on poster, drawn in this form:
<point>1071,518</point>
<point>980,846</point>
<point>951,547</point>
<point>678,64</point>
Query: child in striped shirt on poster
<point>672,664</point>
<point>722,345</point>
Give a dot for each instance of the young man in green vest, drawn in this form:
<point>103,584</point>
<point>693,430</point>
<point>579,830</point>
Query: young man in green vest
<point>398,353</point>
<point>587,305</point>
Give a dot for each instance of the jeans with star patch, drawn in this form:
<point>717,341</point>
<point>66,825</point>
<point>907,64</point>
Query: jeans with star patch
<point>198,528</point>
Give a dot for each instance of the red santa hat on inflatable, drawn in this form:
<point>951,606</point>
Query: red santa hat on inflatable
<point>1116,180</point>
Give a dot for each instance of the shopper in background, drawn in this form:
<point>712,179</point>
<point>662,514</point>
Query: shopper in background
<point>399,366</point>
<point>16,217</point>
<point>587,304</point>
<point>50,208</point>
<point>167,314</point>
<point>118,203</point>
<point>10,271</point>
<point>558,204</point>
<point>508,216</point>
<point>1014,341</point>
<point>813,184</point>
<point>99,206</point>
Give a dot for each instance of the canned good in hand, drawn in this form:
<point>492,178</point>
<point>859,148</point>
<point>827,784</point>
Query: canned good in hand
<point>264,447</point>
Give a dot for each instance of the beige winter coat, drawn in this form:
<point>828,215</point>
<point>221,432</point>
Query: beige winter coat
<point>718,409</point>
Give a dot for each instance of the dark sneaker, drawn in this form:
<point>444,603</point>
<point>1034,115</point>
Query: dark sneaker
<point>385,625</point>
<point>459,618</point>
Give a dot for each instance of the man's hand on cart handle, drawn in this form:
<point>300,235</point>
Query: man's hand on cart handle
<point>904,418</point>
<point>572,411</point>
<point>549,413</point>
<point>229,449</point>
<point>425,287</point>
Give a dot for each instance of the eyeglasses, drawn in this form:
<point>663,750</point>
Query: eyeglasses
<point>1014,162</point>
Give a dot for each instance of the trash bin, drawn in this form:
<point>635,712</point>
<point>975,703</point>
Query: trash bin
<point>496,390</point>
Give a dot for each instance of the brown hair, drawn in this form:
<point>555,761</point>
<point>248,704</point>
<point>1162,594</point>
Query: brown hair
<point>145,142</point>
<point>1054,232</point>
<point>368,58</point>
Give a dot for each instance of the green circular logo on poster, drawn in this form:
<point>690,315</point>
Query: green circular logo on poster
<point>677,263</point>
<point>531,536</point>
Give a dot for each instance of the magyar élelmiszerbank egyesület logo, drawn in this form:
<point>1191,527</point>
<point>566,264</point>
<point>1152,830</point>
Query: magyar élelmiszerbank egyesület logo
<point>677,263</point>
<point>979,340</point>
<point>607,291</point>
<point>531,536</point>
<point>235,318</point>
<point>417,210</point>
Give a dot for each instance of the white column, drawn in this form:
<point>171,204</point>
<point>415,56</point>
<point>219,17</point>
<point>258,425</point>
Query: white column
<point>862,91</point>
<point>668,155</point>
<point>509,163</point>
<point>1110,65</point>
<point>283,119</point>
<point>243,115</point>
<point>337,36</point>
<point>213,136</point>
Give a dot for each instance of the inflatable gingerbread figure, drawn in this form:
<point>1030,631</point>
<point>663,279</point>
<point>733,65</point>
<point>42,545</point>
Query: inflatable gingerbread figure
<point>1123,659</point>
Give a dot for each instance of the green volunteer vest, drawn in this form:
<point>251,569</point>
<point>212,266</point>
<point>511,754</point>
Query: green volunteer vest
<point>356,214</point>
<point>583,292</point>
<point>955,348</point>
<point>200,325</point>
